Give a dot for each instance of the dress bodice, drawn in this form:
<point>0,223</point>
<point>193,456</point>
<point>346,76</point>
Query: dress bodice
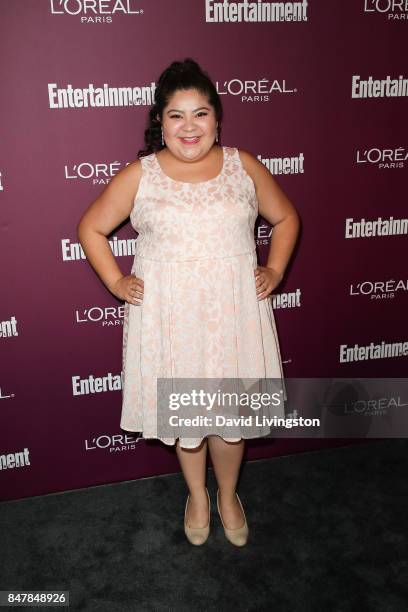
<point>180,221</point>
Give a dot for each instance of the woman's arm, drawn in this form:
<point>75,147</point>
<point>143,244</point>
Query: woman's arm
<point>276,208</point>
<point>109,210</point>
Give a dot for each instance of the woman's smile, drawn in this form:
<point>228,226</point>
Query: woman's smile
<point>189,140</point>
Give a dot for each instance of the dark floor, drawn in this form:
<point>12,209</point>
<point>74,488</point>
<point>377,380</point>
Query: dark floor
<point>328,532</point>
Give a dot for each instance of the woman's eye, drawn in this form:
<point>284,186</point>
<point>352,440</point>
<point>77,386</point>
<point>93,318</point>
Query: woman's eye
<point>178,116</point>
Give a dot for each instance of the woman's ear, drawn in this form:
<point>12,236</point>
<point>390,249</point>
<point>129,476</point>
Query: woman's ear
<point>158,118</point>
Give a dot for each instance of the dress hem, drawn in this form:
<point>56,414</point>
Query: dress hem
<point>169,442</point>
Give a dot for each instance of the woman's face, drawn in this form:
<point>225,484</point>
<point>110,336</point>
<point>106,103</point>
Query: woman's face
<point>189,124</point>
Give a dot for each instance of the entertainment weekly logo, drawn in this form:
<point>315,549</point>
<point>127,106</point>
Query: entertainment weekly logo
<point>8,328</point>
<point>113,443</point>
<point>379,88</point>
<point>375,228</point>
<point>106,317</point>
<point>286,300</point>
<point>260,90</point>
<point>16,459</point>
<point>105,96</point>
<point>120,247</point>
<point>217,11</point>
<point>96,173</point>
<point>372,351</point>
<point>96,11</point>
<point>383,159</point>
<point>284,165</point>
<point>96,384</point>
<point>379,290</point>
<point>395,10</point>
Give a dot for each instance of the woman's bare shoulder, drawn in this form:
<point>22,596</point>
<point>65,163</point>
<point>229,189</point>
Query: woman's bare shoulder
<point>250,162</point>
<point>115,203</point>
<point>132,171</point>
<point>119,194</point>
<point>255,168</point>
<point>126,182</point>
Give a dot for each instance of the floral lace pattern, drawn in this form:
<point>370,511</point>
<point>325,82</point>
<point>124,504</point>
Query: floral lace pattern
<point>200,316</point>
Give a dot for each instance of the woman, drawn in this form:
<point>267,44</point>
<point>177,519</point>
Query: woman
<point>196,301</point>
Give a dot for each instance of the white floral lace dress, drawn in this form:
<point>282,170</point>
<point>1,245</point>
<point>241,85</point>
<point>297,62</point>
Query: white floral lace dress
<point>200,316</point>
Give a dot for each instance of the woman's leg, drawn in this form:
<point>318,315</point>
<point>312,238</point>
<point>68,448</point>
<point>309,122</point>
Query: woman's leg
<point>193,463</point>
<point>226,458</point>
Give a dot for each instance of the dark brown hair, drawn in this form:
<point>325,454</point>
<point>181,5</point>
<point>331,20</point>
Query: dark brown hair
<point>178,76</point>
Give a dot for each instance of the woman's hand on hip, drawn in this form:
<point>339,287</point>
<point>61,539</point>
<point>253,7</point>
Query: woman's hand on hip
<point>266,280</point>
<point>130,289</point>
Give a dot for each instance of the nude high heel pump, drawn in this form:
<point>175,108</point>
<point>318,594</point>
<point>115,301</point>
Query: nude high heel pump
<point>238,536</point>
<point>197,535</point>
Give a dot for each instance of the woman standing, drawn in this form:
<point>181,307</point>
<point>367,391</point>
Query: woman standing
<point>196,302</point>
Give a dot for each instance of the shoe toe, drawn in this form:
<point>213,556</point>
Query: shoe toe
<point>197,538</point>
<point>238,537</point>
<point>197,535</point>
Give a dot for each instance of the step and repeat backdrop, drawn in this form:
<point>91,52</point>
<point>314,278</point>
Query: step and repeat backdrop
<point>316,90</point>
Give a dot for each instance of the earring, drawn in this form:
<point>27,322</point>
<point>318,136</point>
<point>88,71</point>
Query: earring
<point>162,137</point>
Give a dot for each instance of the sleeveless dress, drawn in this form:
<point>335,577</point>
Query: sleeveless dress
<point>200,316</point>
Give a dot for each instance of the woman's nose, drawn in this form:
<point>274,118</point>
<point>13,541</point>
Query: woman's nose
<point>189,123</point>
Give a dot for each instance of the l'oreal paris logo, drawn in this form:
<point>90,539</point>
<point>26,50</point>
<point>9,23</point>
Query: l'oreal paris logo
<point>245,11</point>
<point>95,11</point>
<point>113,443</point>
<point>254,91</point>
<point>108,316</point>
<point>374,407</point>
<point>379,290</point>
<point>396,9</point>
<point>98,173</point>
<point>383,158</point>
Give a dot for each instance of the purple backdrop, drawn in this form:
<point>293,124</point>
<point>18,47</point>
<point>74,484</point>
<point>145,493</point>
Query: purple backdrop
<point>300,91</point>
